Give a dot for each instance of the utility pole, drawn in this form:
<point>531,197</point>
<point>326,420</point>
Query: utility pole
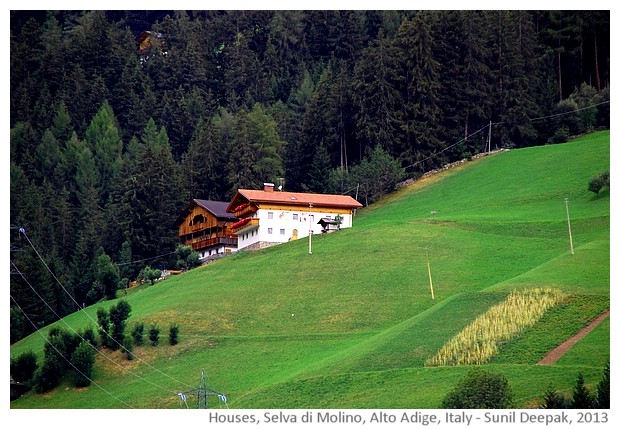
<point>310,230</point>
<point>489,144</point>
<point>430,279</point>
<point>570,234</point>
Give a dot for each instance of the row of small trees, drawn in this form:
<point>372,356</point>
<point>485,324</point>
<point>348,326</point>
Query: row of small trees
<point>485,389</point>
<point>65,350</point>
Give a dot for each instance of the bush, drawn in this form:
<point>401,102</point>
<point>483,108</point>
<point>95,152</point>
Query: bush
<point>480,389</point>
<point>154,334</point>
<point>138,334</point>
<point>83,359</point>
<point>118,315</point>
<point>602,390</point>
<point>53,363</point>
<point>24,366</point>
<point>90,336</point>
<point>103,319</point>
<point>582,399</point>
<point>561,135</point>
<point>554,400</point>
<point>128,348</point>
<point>149,274</point>
<point>173,336</point>
<point>599,182</point>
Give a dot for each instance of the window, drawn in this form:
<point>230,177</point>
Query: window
<point>269,230</point>
<point>295,216</point>
<point>282,232</point>
<point>269,215</point>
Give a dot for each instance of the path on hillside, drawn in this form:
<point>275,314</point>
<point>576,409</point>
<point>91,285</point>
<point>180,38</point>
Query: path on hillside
<point>556,353</point>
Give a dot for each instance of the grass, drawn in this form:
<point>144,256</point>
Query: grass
<point>351,325</point>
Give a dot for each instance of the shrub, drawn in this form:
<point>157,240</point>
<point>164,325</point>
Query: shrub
<point>118,315</point>
<point>83,359</point>
<point>561,135</point>
<point>103,319</point>
<point>138,334</point>
<point>128,348</point>
<point>602,390</point>
<point>173,335</point>
<point>582,398</point>
<point>24,366</point>
<point>554,400</point>
<point>599,182</point>
<point>53,363</point>
<point>90,336</point>
<point>154,334</point>
<point>480,389</point>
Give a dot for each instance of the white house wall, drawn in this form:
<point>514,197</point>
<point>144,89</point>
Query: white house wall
<point>277,226</point>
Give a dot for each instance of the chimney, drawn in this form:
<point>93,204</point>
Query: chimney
<point>268,187</point>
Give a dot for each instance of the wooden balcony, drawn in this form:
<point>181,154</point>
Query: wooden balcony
<point>201,243</point>
<point>246,210</point>
<point>244,224</point>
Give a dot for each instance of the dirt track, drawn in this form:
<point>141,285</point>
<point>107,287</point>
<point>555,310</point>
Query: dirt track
<point>556,353</point>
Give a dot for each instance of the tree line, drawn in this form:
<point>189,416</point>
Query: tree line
<point>110,140</point>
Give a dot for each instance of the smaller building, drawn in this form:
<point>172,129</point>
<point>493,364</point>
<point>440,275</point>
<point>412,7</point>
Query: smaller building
<point>206,226</point>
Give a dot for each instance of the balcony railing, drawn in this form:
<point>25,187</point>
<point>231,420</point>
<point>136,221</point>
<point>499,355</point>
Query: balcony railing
<point>243,224</point>
<point>201,243</point>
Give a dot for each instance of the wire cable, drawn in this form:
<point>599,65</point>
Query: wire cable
<point>145,259</point>
<point>65,358</point>
<point>23,231</point>
<point>84,339</point>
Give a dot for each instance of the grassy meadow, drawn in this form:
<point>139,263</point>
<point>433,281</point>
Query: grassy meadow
<point>352,325</point>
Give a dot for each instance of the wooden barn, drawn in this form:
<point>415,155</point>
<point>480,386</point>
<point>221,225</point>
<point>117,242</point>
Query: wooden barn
<point>206,227</point>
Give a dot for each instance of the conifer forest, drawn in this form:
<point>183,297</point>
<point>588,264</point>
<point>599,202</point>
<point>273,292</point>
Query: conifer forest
<point>119,118</point>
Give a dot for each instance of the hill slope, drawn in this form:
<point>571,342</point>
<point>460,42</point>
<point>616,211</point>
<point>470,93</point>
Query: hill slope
<point>281,328</point>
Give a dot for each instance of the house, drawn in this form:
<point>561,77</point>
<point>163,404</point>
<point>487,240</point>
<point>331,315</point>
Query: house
<point>268,217</point>
<point>206,226</point>
<point>148,39</point>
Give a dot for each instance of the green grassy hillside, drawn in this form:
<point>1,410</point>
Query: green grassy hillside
<point>351,325</point>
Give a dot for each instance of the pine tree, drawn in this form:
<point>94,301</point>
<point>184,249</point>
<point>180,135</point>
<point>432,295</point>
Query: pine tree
<point>582,399</point>
<point>320,170</point>
<point>376,97</point>
<point>83,360</point>
<point>603,390</point>
<point>420,83</point>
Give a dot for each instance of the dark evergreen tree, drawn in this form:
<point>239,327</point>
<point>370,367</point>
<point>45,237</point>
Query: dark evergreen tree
<point>480,389</point>
<point>138,334</point>
<point>103,320</point>
<point>24,366</point>
<point>376,98</point>
<point>154,334</point>
<point>582,398</point>
<point>119,314</point>
<point>603,390</point>
<point>554,400</point>
<point>420,113</point>
<point>203,163</point>
<point>83,361</point>
<point>319,175</point>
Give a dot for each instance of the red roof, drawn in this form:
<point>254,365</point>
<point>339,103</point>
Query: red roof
<point>292,198</point>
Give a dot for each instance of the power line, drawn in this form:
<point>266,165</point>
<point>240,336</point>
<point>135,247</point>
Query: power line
<point>65,358</point>
<point>540,118</point>
<point>84,339</point>
<point>23,231</point>
<point>146,259</point>
<point>449,147</point>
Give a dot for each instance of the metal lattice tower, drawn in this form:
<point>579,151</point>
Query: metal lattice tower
<point>203,392</point>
